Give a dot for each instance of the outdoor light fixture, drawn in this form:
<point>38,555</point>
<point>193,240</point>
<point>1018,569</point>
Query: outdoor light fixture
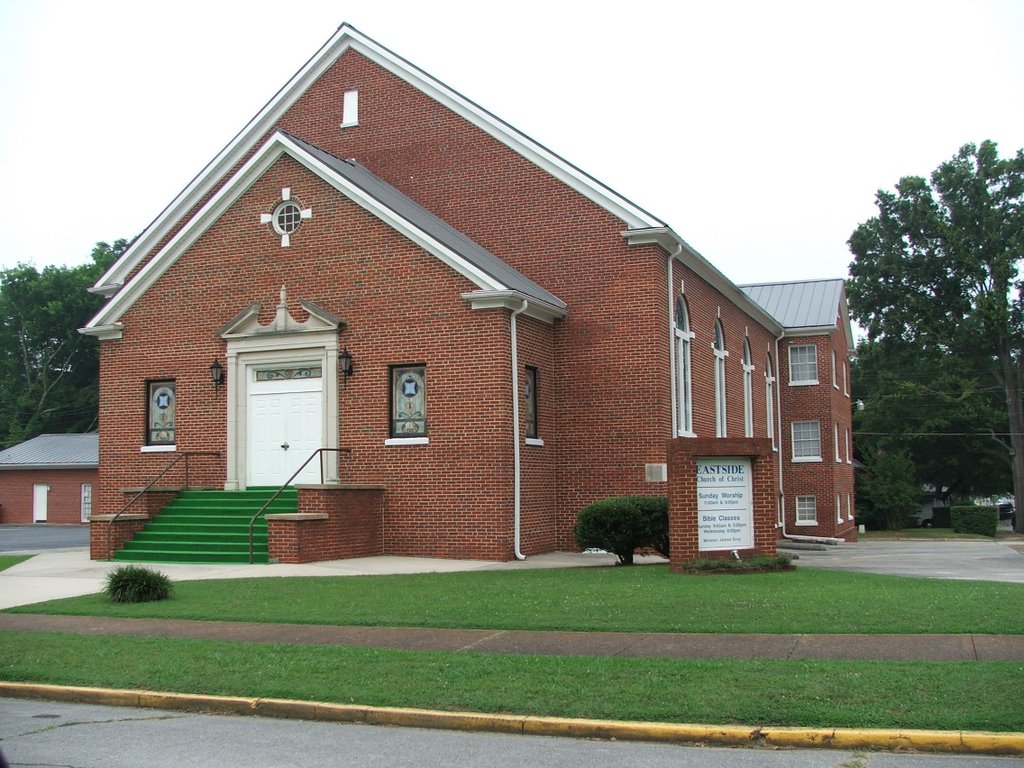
<point>217,374</point>
<point>345,363</point>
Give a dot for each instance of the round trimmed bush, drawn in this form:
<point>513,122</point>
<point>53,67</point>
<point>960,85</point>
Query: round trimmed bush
<point>624,524</point>
<point>132,584</point>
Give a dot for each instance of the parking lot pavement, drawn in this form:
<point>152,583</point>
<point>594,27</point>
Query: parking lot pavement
<point>42,536</point>
<point>969,560</point>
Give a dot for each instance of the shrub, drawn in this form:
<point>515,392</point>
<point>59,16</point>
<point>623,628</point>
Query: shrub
<point>623,524</point>
<point>974,519</point>
<point>132,584</point>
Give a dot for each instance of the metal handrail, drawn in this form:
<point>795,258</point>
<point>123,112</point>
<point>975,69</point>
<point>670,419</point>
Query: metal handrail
<point>183,455</point>
<point>318,452</point>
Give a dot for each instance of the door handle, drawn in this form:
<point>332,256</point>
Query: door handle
<point>285,446</point>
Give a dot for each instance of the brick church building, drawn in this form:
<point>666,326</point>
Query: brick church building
<point>480,333</point>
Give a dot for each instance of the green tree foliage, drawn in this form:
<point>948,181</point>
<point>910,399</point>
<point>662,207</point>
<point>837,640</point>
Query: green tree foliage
<point>932,406</point>
<point>889,487</point>
<point>938,268</point>
<point>49,373</point>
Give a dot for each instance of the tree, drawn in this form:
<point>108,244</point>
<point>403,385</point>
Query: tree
<point>890,488</point>
<point>49,373</point>
<point>935,408</point>
<point>938,268</point>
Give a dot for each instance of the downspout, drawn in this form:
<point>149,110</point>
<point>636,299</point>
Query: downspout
<point>672,365</point>
<point>517,494</point>
<point>778,410</point>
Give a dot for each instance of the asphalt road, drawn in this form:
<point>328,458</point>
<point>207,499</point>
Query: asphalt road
<point>39,537</point>
<point>88,736</point>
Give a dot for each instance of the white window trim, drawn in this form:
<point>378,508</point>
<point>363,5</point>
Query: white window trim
<point>769,401</point>
<point>748,391</point>
<point>158,449</point>
<point>839,508</point>
<point>846,379</point>
<point>86,509</point>
<point>796,511</point>
<point>803,382</point>
<point>848,447</point>
<point>407,441</point>
<point>721,415</point>
<point>849,506</point>
<point>839,459</point>
<point>835,382</point>
<point>792,439</point>
<point>534,441</point>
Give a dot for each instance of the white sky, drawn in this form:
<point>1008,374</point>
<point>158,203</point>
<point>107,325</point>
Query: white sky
<point>758,131</point>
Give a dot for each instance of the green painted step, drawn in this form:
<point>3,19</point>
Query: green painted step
<point>208,527</point>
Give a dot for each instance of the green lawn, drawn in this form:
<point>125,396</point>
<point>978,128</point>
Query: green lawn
<point>643,598</point>
<point>941,695</point>
<point>6,561</point>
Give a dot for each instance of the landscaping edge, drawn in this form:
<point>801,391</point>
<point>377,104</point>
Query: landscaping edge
<point>960,742</point>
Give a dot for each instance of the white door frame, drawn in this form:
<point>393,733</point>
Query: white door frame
<point>244,356</point>
<point>40,493</point>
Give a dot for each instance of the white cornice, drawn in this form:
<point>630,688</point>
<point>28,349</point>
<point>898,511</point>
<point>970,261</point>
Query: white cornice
<point>513,300</point>
<point>278,145</point>
<point>348,37</point>
<point>669,242</point>
<point>111,331</point>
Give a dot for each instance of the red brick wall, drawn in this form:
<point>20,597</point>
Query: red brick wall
<point>830,406</point>
<point>684,533</point>
<point>64,499</point>
<point>352,528</point>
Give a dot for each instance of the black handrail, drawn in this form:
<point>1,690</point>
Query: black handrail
<point>279,491</point>
<point>183,455</point>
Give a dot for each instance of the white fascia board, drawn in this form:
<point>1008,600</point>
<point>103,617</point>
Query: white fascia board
<point>809,330</point>
<point>111,331</point>
<point>347,37</point>
<point>513,300</point>
<point>670,242</point>
<point>257,165</point>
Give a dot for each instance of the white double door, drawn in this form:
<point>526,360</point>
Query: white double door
<point>285,426</point>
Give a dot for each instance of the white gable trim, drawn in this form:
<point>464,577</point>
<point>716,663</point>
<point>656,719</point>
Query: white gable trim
<point>347,37</point>
<point>278,145</point>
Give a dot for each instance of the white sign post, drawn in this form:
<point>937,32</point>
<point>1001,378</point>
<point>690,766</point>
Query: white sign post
<point>725,509</point>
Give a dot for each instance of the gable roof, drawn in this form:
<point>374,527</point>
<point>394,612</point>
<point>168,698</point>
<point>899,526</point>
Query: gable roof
<point>81,451</point>
<point>486,271</point>
<point>805,306</point>
<point>346,38</point>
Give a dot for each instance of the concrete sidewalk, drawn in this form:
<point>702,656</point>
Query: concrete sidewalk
<point>618,644</point>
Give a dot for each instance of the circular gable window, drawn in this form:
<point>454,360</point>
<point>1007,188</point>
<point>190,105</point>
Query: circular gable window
<point>287,217</point>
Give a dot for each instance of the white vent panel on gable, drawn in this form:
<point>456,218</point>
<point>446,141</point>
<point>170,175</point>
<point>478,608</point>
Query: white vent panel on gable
<point>350,109</point>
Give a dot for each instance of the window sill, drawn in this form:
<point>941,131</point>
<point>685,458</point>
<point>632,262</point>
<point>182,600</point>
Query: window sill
<point>686,434</point>
<point>806,460</point>
<point>407,441</point>
<point>534,441</point>
<point>158,449</point>
<point>806,522</point>
<point>808,383</point>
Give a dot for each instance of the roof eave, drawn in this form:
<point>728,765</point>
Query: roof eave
<point>672,243</point>
<point>535,308</point>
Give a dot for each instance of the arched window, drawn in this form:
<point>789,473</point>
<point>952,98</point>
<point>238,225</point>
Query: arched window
<point>684,391</point>
<point>769,397</point>
<point>720,355</point>
<point>748,396</point>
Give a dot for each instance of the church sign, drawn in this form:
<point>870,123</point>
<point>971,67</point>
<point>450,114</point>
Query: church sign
<point>724,503</point>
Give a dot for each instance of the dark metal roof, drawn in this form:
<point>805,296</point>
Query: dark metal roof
<point>53,451</point>
<point>430,224</point>
<point>804,304</point>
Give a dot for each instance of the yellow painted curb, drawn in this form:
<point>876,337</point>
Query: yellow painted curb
<point>961,742</point>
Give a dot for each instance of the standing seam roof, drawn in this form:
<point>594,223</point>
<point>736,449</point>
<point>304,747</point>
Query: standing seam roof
<point>55,451</point>
<point>804,304</point>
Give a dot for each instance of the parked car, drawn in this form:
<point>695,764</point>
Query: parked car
<point>1007,512</point>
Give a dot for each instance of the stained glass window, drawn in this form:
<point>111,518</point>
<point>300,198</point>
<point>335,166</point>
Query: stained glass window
<point>408,401</point>
<point>531,402</point>
<point>281,374</point>
<point>162,405</point>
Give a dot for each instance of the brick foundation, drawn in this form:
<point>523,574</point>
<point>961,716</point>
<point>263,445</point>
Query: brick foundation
<point>334,522</point>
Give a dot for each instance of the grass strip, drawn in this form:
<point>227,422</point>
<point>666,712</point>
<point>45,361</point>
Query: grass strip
<point>643,598</point>
<point>942,695</point>
<point>7,561</point>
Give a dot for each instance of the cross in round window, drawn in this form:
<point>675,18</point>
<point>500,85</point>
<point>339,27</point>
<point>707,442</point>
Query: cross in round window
<point>287,217</point>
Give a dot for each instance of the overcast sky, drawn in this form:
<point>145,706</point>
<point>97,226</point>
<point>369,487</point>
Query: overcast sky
<point>758,131</point>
